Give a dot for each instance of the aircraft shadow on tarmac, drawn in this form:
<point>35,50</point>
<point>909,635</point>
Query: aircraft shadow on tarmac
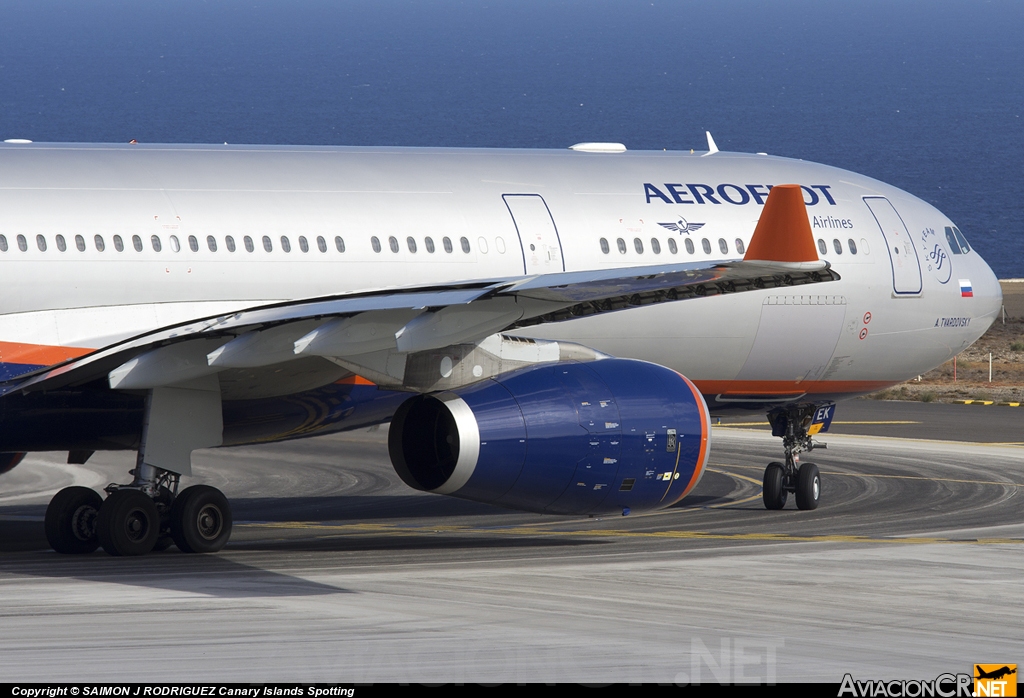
<point>205,575</point>
<point>714,488</point>
<point>308,524</point>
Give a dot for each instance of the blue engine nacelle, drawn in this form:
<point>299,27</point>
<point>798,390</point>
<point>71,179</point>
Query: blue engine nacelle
<point>569,438</point>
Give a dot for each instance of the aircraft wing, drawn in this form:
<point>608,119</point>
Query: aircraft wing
<point>367,331</point>
<point>406,320</point>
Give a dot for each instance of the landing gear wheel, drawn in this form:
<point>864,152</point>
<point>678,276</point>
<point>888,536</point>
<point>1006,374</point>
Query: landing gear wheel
<point>70,521</point>
<point>772,492</point>
<point>808,486</point>
<point>128,523</point>
<point>200,520</point>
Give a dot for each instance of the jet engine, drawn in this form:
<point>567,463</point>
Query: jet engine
<point>596,437</point>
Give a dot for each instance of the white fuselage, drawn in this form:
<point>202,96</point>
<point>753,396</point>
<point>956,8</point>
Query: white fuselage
<point>900,308</point>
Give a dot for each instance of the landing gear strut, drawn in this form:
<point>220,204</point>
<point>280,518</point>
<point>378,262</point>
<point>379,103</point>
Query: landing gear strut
<point>149,514</point>
<point>145,516</point>
<point>802,479</point>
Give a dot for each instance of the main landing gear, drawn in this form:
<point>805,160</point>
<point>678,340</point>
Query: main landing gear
<point>149,514</point>
<point>794,424</point>
<point>145,516</point>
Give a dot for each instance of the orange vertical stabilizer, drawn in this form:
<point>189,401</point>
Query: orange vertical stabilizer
<point>783,232</point>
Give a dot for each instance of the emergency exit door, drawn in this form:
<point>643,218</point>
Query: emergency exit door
<point>538,235</point>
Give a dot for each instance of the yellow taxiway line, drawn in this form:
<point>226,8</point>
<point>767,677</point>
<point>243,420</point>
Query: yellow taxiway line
<point>892,477</point>
<point>433,529</point>
<point>557,528</point>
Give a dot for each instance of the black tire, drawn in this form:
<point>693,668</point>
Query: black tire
<point>808,486</point>
<point>772,491</point>
<point>70,521</point>
<point>128,523</point>
<point>201,520</point>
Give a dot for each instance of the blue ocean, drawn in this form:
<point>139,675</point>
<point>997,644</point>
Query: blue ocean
<point>926,95</point>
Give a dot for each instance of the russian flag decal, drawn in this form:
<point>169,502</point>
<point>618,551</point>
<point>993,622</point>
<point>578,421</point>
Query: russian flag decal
<point>965,289</point>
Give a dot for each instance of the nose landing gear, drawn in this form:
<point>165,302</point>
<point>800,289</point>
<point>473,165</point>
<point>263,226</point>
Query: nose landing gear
<point>795,425</point>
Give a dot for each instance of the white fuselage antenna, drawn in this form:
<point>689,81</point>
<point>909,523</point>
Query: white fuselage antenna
<point>712,148</point>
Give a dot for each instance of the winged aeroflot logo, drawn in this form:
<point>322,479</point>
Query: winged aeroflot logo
<point>681,226</point>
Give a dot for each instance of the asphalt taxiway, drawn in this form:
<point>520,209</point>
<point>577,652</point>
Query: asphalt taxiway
<point>336,571</point>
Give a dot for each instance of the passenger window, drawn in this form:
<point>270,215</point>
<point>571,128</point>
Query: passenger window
<point>41,243</point>
<point>961,239</point>
<point>723,246</point>
<point>446,241</point>
<point>672,246</point>
<point>465,245</point>
<point>286,244</point>
<point>3,243</point>
<point>429,244</point>
<point>268,245</point>
<point>954,244</point>
<point>604,246</point>
<point>22,243</point>
<point>175,245</point>
<point>303,243</point>
<point>852,245</point>
<point>621,244</point>
<point>211,243</point>
<point>375,243</point>
<point>740,247</point>
<point>393,243</point>
<point>655,246</point>
<point>62,245</point>
<point>98,241</point>
<point>689,245</point>
<point>321,244</point>
<point>249,246</point>
<point>118,243</point>
<point>80,243</point>
<point>706,244</point>
<point>229,242</point>
<point>822,247</point>
<point>155,241</point>
<point>339,243</point>
<point>481,244</point>
<point>137,243</point>
<point>838,246</point>
<point>193,243</point>
<point>638,245</point>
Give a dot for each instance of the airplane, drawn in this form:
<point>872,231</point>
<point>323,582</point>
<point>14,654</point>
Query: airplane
<point>545,330</point>
<point>995,673</point>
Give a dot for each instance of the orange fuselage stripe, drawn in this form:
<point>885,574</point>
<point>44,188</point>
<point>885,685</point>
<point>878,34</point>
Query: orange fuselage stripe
<point>737,387</point>
<point>783,388</point>
<point>354,380</point>
<point>38,354</point>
